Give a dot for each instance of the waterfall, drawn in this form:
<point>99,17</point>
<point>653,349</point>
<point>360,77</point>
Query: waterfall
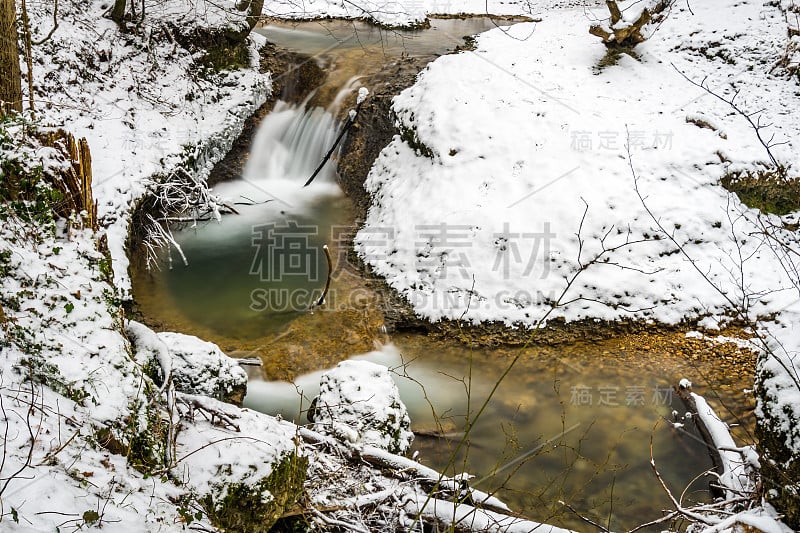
<point>290,144</point>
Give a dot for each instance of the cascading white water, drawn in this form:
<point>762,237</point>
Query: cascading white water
<point>290,144</point>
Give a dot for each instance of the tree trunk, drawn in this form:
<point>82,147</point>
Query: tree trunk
<point>11,81</point>
<point>118,11</point>
<point>253,8</point>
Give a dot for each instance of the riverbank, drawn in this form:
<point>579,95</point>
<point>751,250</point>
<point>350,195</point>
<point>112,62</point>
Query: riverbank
<point>547,178</point>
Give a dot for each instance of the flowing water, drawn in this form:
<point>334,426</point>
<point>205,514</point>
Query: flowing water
<point>570,423</point>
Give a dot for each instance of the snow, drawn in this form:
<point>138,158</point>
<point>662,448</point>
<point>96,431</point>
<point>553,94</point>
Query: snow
<point>68,373</point>
<point>358,401</point>
<point>148,349</point>
<point>200,367</point>
<point>394,13</point>
<point>764,520</point>
<point>212,458</point>
<point>487,521</point>
<point>736,476</point>
<point>499,205</point>
<point>363,92</point>
<point>514,168</point>
<point>396,503</point>
<point>81,354</point>
<point>144,110</point>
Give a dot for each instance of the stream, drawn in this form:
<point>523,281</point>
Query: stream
<point>569,423</point>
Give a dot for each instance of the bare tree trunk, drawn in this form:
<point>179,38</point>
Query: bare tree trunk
<point>253,8</point>
<point>628,35</point>
<point>26,37</point>
<point>75,182</point>
<point>10,81</point>
<point>118,11</point>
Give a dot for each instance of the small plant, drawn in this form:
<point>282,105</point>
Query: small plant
<point>188,511</point>
<point>91,517</point>
<point>43,372</point>
<point>225,57</point>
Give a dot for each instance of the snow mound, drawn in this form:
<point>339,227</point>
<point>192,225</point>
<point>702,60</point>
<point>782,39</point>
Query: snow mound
<point>240,462</point>
<point>359,402</point>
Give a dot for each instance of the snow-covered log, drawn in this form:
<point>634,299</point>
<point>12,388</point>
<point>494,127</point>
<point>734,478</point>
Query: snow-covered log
<point>424,495</point>
<point>736,467</point>
<point>465,518</point>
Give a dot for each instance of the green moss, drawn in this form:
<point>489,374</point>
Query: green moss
<point>227,56</point>
<point>409,135</point>
<point>248,508</point>
<point>769,190</point>
<point>613,54</point>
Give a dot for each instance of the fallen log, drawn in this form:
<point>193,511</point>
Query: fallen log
<point>427,496</point>
<point>735,467</point>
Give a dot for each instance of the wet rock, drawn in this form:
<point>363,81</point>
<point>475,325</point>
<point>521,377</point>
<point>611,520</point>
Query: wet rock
<point>374,128</point>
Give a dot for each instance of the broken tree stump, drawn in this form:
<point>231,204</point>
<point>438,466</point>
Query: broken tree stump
<point>618,34</point>
<point>76,181</point>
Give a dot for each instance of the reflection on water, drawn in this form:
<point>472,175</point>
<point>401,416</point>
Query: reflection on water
<point>321,37</point>
<point>570,424</point>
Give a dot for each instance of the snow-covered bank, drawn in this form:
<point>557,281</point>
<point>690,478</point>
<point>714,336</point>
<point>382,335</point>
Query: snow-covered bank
<point>82,423</point>
<point>394,13</point>
<point>499,172</point>
<point>145,104</point>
